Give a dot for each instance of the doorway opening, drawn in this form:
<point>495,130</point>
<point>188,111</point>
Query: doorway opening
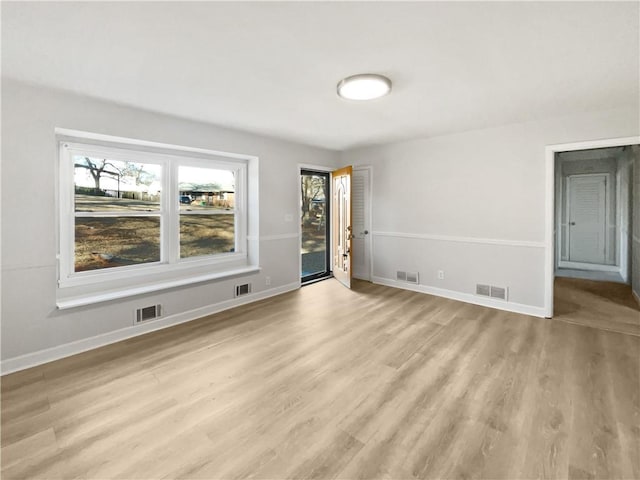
<point>593,210</point>
<point>593,244</point>
<point>315,225</point>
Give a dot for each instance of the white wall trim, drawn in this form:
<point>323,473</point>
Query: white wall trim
<point>565,190</point>
<point>464,297</point>
<point>317,168</point>
<point>90,299</point>
<point>298,187</point>
<point>67,132</point>
<point>636,297</point>
<point>596,267</point>
<point>452,238</point>
<point>29,360</point>
<point>550,152</point>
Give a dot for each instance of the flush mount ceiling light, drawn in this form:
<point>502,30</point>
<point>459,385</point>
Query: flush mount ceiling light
<point>364,86</point>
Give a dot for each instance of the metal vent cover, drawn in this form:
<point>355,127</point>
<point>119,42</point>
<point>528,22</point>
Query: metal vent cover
<point>243,289</point>
<point>484,290</point>
<point>148,313</point>
<point>499,292</point>
<point>407,277</point>
<point>492,291</point>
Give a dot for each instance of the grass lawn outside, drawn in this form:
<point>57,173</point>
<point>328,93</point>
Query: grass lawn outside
<point>313,237</point>
<point>106,242</point>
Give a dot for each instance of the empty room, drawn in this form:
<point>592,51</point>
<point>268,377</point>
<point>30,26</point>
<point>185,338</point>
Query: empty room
<point>350,240</point>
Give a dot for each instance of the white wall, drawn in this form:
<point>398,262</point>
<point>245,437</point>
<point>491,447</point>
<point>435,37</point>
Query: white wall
<point>30,322</point>
<point>473,204</point>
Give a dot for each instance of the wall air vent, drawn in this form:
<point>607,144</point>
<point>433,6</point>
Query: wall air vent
<point>407,277</point>
<point>484,290</point>
<point>492,291</point>
<point>244,289</point>
<point>412,277</point>
<point>148,313</point>
<point>499,292</point>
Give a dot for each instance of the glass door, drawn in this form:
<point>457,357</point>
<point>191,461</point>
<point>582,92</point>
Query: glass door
<point>314,218</point>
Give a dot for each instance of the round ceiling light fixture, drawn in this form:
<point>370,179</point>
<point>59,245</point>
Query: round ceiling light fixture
<point>364,86</point>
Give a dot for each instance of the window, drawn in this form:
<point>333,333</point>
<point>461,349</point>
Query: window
<point>117,210</point>
<point>128,212</point>
<point>207,219</point>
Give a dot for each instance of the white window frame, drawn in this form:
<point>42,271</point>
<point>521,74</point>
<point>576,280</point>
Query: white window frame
<point>170,158</point>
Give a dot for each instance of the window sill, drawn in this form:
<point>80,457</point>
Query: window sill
<point>220,263</point>
<point>90,299</point>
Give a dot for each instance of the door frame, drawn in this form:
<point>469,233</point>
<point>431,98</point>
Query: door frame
<point>369,238</point>
<point>565,192</point>
<point>549,234</point>
<point>318,168</point>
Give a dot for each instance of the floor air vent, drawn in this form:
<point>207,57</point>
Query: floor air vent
<point>492,291</point>
<point>243,289</point>
<point>148,313</point>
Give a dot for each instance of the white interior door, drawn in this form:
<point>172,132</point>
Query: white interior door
<point>587,218</point>
<point>341,233</point>
<point>360,215</point>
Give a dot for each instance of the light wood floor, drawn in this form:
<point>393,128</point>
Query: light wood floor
<point>329,383</point>
<point>606,305</point>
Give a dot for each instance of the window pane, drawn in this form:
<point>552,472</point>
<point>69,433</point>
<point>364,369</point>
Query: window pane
<point>206,189</point>
<point>103,185</point>
<point>204,234</point>
<point>107,242</point>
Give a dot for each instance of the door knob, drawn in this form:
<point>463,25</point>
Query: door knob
<point>572,223</point>
<point>366,232</point>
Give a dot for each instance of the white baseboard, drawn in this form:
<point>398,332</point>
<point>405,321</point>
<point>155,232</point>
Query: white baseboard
<point>636,296</point>
<point>465,297</point>
<point>589,266</point>
<point>29,360</point>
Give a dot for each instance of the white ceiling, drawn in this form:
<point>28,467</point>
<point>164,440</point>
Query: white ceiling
<point>272,68</point>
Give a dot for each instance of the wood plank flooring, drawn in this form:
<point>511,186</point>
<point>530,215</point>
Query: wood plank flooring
<point>605,305</point>
<point>330,383</point>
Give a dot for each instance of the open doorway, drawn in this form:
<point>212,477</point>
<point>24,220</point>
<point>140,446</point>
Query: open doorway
<point>596,225</point>
<point>593,213</point>
<point>335,223</point>
<point>315,225</point>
